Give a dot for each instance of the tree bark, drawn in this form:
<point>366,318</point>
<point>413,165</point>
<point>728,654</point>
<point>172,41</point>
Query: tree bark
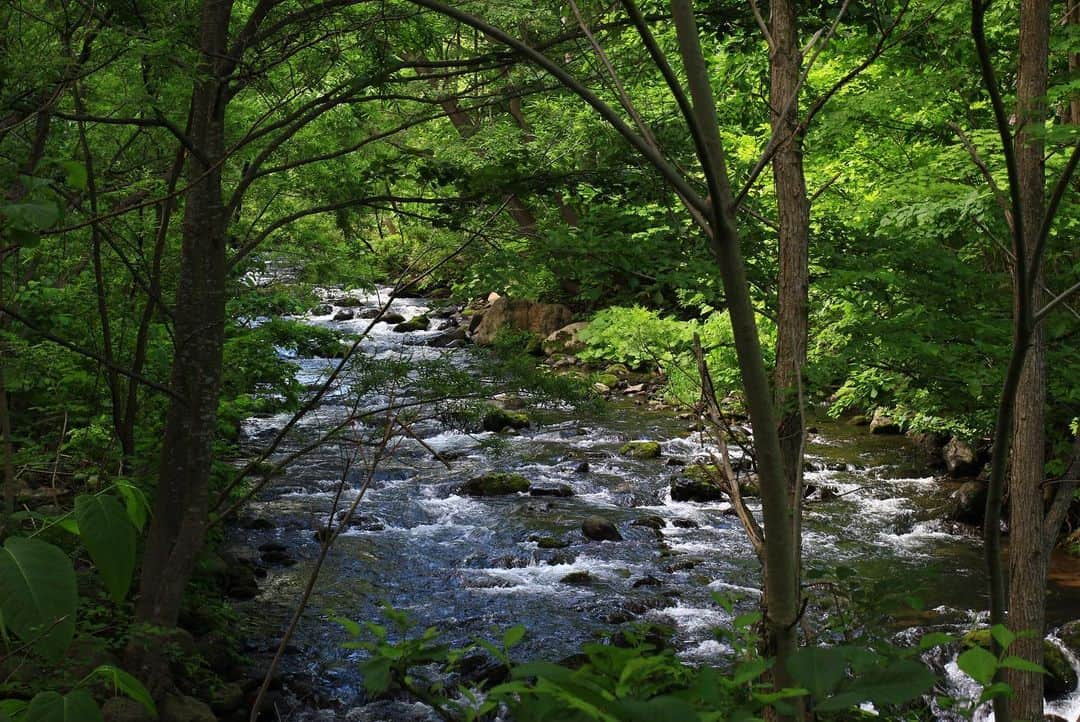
<point>180,515</point>
<point>793,215</point>
<point>1028,555</point>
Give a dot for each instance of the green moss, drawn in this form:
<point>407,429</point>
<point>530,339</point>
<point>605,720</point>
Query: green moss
<point>495,484</point>
<point>641,449</point>
<point>496,419</point>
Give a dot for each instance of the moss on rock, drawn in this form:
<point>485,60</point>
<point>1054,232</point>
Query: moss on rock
<point>496,483</point>
<point>641,449</point>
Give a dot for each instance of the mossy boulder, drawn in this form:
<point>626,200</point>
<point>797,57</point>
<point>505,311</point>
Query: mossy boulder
<point>549,542</point>
<point>609,380</point>
<point>619,370</point>
<point>696,489</point>
<point>416,323</point>
<point>578,579</point>
<point>641,449</point>
<point>495,484</point>
<point>496,419</point>
<point>392,318</point>
<point>1060,677</point>
<point>560,490</point>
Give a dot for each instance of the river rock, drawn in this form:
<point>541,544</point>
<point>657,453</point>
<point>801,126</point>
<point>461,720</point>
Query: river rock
<point>1069,634</point>
<point>347,301</point>
<point>566,340</point>
<point>859,420</point>
<point>651,521</point>
<point>549,542</point>
<point>968,503</point>
<point>416,323</point>
<point>345,314</point>
<point>641,449</point>
<point>391,318</point>
<point>540,319</point>
<point>323,309</point>
<point>227,698</point>
<point>598,528</point>
<point>368,313</point>
<point>931,446</point>
<point>495,484</point>
<point>695,489</point>
<point>884,424</point>
<point>561,490</point>
<point>496,419</point>
<point>450,338</point>
<point>961,458</point>
<point>578,579</point>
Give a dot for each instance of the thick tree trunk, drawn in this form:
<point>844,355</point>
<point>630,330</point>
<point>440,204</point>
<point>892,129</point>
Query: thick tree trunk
<point>1028,556</point>
<point>181,505</point>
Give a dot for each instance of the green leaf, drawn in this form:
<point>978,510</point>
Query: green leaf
<point>38,596</point>
<point>134,501</point>
<point>978,664</point>
<point>76,174</point>
<point>513,636</point>
<point>819,669</point>
<point>1021,664</point>
<point>76,706</point>
<point>899,682</point>
<point>377,677</point>
<point>11,709</point>
<point>1002,635</point>
<point>935,639</point>
<point>31,215</point>
<point>123,682</point>
<point>109,536</point>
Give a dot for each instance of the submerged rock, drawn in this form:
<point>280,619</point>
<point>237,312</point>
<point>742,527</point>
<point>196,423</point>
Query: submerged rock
<point>549,542</point>
<point>390,317</point>
<point>495,484</point>
<point>641,449</point>
<point>578,579</point>
<point>345,314</point>
<point>598,528</point>
<point>562,490</point>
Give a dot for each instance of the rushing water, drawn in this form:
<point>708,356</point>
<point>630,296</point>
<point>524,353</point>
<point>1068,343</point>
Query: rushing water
<point>472,565</point>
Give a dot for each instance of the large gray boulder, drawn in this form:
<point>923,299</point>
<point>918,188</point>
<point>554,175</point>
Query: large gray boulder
<point>961,458</point>
<point>968,503</point>
<point>540,319</point>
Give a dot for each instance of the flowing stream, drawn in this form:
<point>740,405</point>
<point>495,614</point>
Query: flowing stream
<point>469,566</point>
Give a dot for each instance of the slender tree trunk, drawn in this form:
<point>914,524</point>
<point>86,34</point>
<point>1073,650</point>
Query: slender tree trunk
<point>793,214</point>
<point>781,567</point>
<point>1028,555</point>
<point>180,516</point>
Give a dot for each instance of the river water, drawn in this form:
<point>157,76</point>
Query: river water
<point>469,566</point>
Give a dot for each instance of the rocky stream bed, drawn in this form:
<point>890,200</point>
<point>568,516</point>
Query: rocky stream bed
<point>468,563</point>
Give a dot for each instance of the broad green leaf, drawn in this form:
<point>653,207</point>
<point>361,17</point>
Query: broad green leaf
<point>135,502</point>
<point>376,673</point>
<point>351,627</point>
<point>12,709</point>
<point>513,636</point>
<point>121,681</point>
<point>978,664</point>
<point>33,215</point>
<point>899,682</point>
<point>1002,635</point>
<point>38,596</point>
<point>76,706</point>
<point>76,174</point>
<point>1021,664</point>
<point>819,669</point>
<point>109,536</point>
<point>935,639</point>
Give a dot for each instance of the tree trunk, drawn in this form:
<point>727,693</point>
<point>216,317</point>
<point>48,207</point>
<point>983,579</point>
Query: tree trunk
<point>781,568</point>
<point>181,504</point>
<point>1028,556</point>
<point>793,214</point>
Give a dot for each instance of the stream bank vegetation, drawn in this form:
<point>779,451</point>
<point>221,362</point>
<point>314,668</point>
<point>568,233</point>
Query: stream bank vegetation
<point>747,210</point>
